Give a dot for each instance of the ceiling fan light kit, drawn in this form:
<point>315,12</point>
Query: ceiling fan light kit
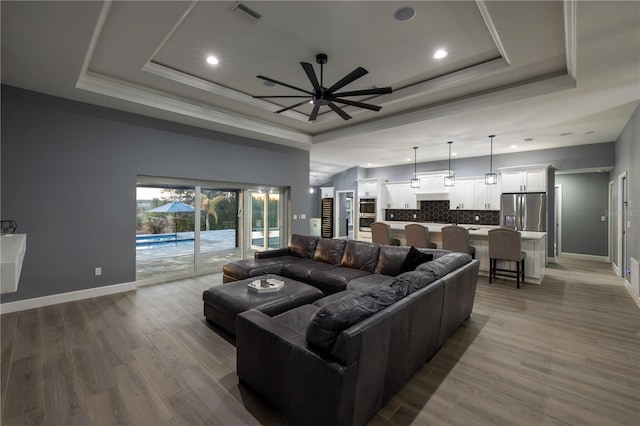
<point>322,96</point>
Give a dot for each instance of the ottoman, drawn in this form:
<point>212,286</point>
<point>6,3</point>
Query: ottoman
<point>223,303</point>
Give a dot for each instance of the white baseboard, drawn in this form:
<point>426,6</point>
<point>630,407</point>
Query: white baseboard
<point>633,294</point>
<point>551,259</point>
<point>616,270</point>
<point>604,259</point>
<point>72,296</point>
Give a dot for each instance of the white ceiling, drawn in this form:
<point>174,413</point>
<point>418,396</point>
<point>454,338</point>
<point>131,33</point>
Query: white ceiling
<point>516,69</point>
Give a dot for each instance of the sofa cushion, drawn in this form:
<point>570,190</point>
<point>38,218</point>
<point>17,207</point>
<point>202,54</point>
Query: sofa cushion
<point>413,259</point>
<point>441,266</point>
<point>297,318</point>
<point>301,270</point>
<point>241,269</point>
<point>390,259</point>
<point>329,250</point>
<point>332,298</point>
<point>409,282</point>
<point>333,318</point>
<point>368,282</point>
<point>360,255</point>
<point>303,246</point>
<point>335,279</point>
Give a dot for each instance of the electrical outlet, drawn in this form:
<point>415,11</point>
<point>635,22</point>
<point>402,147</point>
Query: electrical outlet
<point>603,218</point>
<point>303,216</point>
<point>477,217</point>
<point>415,216</point>
<point>391,215</point>
<point>295,217</point>
<point>98,271</point>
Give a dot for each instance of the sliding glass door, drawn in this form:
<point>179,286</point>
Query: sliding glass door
<point>186,228</point>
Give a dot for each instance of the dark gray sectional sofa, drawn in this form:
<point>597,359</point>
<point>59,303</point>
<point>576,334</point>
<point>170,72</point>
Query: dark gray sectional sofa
<point>339,360</point>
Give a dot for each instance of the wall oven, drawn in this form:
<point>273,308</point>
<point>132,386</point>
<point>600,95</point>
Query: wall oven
<point>366,221</point>
<point>367,213</point>
<point>368,206</point>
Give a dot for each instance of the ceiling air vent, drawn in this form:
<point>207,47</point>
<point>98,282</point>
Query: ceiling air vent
<point>529,139</point>
<point>245,12</point>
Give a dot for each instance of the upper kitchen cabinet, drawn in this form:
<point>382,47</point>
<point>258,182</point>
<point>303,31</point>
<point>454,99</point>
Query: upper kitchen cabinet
<point>524,179</point>
<point>462,195</point>
<point>399,196</point>
<point>326,192</point>
<point>368,188</point>
<point>432,183</point>
<point>487,197</point>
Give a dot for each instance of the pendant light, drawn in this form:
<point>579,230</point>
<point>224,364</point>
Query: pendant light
<point>415,182</point>
<point>491,178</point>
<point>449,180</point>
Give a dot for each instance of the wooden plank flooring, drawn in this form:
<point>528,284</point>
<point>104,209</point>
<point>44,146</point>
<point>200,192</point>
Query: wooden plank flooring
<point>566,352</point>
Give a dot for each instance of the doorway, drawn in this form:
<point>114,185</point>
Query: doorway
<point>557,212</point>
<point>264,217</point>
<point>621,216</point>
<point>344,214</point>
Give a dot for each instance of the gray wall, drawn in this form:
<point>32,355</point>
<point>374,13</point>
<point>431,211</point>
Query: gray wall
<point>585,199</point>
<point>628,159</point>
<point>69,180</point>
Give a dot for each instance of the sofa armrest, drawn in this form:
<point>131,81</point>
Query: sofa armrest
<point>274,360</point>
<point>267,254</point>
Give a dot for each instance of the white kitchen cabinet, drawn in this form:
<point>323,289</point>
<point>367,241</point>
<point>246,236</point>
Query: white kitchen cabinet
<point>487,197</point>
<point>462,195</point>
<point>326,192</point>
<point>530,179</point>
<point>367,188</point>
<point>432,184</point>
<point>399,196</point>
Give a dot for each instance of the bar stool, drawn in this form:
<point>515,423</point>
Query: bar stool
<point>418,236</point>
<point>381,234</point>
<point>505,244</point>
<point>456,238</point>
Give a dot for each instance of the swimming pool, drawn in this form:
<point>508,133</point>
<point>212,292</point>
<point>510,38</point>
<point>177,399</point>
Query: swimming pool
<point>147,241</point>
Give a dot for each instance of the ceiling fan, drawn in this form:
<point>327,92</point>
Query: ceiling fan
<point>321,96</point>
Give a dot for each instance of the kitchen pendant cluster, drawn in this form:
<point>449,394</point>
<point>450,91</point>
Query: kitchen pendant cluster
<point>415,182</point>
<point>449,180</point>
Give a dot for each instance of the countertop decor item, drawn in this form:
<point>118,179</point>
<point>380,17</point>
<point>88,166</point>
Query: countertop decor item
<point>8,226</point>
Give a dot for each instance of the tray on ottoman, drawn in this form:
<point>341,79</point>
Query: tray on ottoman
<point>223,303</point>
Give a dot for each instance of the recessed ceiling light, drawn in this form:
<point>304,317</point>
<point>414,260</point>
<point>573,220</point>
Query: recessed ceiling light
<point>529,139</point>
<point>212,60</point>
<point>404,14</point>
<point>454,153</point>
<point>514,146</point>
<point>440,53</point>
<point>407,159</point>
<point>368,164</point>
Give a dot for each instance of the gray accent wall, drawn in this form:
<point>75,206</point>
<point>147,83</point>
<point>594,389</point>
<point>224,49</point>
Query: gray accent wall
<point>585,199</point>
<point>628,160</point>
<point>69,180</point>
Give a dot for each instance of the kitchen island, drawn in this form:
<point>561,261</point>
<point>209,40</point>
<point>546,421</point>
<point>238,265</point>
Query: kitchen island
<point>534,244</point>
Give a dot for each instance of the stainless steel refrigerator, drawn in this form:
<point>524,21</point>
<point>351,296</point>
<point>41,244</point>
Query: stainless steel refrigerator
<point>524,211</point>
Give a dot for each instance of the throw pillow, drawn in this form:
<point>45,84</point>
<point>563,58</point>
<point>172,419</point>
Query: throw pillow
<point>414,258</point>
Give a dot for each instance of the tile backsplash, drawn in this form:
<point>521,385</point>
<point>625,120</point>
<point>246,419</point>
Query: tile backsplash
<point>438,211</point>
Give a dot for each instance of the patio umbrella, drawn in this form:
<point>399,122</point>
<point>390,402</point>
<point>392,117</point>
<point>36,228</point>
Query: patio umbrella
<point>173,207</point>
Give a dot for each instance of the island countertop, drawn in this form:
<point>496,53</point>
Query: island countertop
<point>534,244</point>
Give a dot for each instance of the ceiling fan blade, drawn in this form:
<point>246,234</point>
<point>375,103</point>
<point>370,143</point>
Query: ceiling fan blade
<point>314,113</point>
<point>284,84</point>
<point>358,104</point>
<point>308,68</point>
<point>365,92</point>
<point>282,96</point>
<point>339,110</point>
<point>292,106</point>
<point>352,76</point>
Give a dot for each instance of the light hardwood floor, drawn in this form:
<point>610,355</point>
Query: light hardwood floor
<point>564,352</point>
